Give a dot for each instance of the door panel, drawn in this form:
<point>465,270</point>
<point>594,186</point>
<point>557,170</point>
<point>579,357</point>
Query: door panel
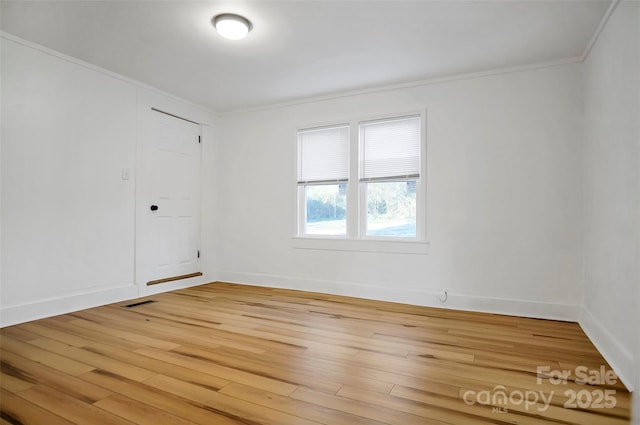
<point>169,162</point>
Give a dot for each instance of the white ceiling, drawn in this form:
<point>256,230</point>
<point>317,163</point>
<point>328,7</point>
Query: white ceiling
<point>303,48</point>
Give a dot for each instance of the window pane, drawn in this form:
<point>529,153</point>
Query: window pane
<point>326,209</point>
<point>391,209</point>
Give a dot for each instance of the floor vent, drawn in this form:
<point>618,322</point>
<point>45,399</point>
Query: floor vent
<point>138,304</point>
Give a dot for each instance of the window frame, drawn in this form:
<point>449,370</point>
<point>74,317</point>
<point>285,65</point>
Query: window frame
<point>301,210</point>
<point>356,238</point>
<point>363,185</point>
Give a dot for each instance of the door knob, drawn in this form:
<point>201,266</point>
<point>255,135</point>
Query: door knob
<point>154,208</point>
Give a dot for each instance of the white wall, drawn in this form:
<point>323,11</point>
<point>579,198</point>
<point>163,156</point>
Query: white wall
<point>68,130</point>
<point>612,192</point>
<point>507,155</point>
<point>503,205</point>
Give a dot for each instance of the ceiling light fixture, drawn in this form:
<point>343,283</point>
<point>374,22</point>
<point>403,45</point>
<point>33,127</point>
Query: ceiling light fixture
<point>232,27</point>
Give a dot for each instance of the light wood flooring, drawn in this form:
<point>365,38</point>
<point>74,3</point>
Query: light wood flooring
<point>222,354</point>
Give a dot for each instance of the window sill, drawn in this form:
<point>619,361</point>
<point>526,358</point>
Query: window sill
<point>362,245</point>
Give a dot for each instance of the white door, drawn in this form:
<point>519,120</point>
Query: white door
<point>168,198</point>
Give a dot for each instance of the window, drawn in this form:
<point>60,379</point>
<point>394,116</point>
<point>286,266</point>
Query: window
<point>389,174</point>
<point>323,173</point>
<point>361,180</point>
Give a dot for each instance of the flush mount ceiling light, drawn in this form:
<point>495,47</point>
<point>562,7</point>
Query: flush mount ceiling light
<point>232,27</point>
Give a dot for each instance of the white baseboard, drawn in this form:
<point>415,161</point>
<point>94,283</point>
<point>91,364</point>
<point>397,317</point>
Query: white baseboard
<point>13,315</point>
<point>614,352</point>
<point>65,304</point>
<point>428,298</point>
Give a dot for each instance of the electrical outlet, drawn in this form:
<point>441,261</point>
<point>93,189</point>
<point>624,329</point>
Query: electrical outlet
<point>444,296</point>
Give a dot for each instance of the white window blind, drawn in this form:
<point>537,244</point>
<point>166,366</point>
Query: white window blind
<point>323,155</point>
<point>390,149</point>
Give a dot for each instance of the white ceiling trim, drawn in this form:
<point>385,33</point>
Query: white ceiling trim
<point>410,84</point>
<point>601,26</point>
<point>333,95</point>
<point>438,80</point>
<point>103,71</point>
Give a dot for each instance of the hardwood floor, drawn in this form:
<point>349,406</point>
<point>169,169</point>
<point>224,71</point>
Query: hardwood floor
<point>230,354</point>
